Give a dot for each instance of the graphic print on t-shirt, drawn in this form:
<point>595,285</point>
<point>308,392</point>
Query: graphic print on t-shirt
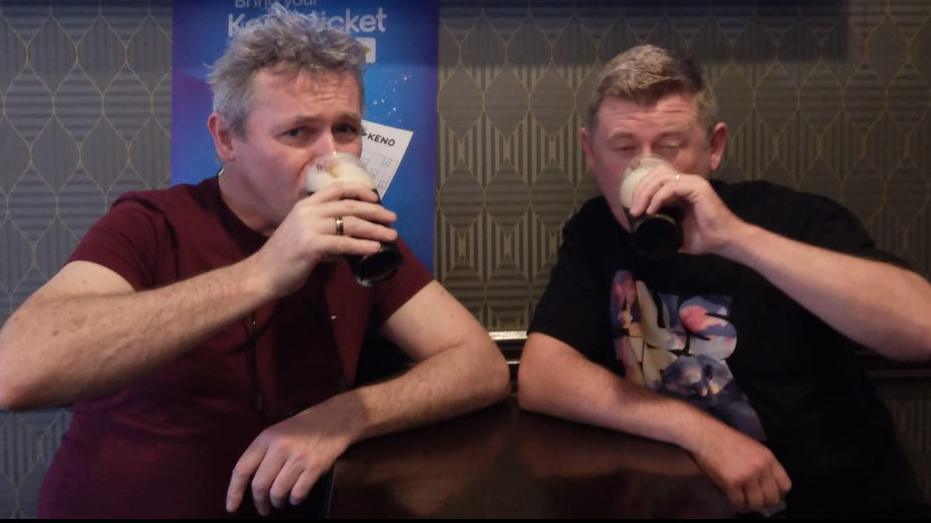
<point>678,346</point>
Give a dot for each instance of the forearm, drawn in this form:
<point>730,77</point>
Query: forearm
<point>57,350</point>
<point>557,380</point>
<point>571,387</point>
<point>449,383</point>
<point>446,383</point>
<point>875,304</point>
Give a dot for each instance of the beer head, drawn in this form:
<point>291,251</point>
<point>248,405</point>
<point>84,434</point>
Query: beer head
<point>636,172</point>
<point>655,236</point>
<point>336,167</point>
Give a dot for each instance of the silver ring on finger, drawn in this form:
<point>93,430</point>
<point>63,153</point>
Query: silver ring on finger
<point>339,225</point>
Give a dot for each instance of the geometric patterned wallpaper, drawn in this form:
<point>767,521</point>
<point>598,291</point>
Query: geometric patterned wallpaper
<point>831,98</point>
<point>85,114</point>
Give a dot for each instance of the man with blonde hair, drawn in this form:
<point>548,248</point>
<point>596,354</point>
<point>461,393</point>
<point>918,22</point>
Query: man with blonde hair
<point>207,334</point>
<point>739,346</point>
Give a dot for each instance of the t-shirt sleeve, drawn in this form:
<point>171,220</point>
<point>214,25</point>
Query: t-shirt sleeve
<point>390,295</point>
<point>125,240</point>
<point>573,306</point>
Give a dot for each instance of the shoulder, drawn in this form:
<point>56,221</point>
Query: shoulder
<point>777,207</point>
<point>810,218</point>
<point>593,220</point>
<point>135,236</point>
<point>594,238</point>
<point>757,192</point>
<point>594,210</point>
<point>189,208</point>
<point>170,200</point>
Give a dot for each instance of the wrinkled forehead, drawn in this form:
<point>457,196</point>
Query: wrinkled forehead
<point>281,78</point>
<point>286,90</point>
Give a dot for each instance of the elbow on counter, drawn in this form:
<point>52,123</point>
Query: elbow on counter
<point>926,340</point>
<point>17,391</point>
<point>527,384</point>
<point>918,350</point>
<point>918,347</point>
<point>8,387</point>
<point>12,398</point>
<point>921,351</point>
<point>14,393</point>
<point>499,381</point>
<point>925,352</point>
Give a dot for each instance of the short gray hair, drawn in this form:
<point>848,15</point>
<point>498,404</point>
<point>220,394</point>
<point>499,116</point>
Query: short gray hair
<point>287,42</point>
<point>645,74</point>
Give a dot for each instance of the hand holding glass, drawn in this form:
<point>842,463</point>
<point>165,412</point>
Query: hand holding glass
<point>344,167</point>
<point>655,236</point>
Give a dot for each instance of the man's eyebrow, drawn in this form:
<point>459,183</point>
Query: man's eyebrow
<point>673,133</point>
<point>677,130</point>
<point>300,119</point>
<point>350,116</point>
<point>620,134</point>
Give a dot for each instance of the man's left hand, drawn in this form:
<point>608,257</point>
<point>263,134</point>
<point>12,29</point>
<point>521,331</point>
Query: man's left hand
<point>285,461</point>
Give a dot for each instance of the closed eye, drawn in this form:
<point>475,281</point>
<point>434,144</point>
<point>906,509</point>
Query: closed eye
<point>297,132</point>
<point>669,146</point>
<point>348,130</point>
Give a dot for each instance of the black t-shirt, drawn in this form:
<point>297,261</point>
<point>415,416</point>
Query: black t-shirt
<point>718,335</point>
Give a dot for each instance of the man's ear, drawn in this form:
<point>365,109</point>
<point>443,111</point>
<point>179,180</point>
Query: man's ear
<point>222,138</point>
<point>718,142</point>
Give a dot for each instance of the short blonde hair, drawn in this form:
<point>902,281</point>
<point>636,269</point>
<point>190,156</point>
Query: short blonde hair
<point>645,74</point>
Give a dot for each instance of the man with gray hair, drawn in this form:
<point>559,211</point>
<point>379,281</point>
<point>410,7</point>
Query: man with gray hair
<point>723,318</point>
<point>206,335</point>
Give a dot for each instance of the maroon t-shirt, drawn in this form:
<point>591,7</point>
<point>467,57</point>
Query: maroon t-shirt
<point>166,444</point>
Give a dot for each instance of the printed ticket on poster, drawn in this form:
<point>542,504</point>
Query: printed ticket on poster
<point>383,148</point>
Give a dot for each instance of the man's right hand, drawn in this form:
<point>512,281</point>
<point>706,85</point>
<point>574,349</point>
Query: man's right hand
<point>309,235</point>
<point>749,474</point>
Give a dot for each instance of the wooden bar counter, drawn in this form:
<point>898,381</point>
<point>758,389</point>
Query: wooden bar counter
<point>502,462</point>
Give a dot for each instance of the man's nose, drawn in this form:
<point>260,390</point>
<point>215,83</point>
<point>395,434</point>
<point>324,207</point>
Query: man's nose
<point>324,144</point>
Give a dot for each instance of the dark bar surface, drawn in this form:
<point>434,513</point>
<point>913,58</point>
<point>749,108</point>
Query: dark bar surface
<point>502,462</point>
